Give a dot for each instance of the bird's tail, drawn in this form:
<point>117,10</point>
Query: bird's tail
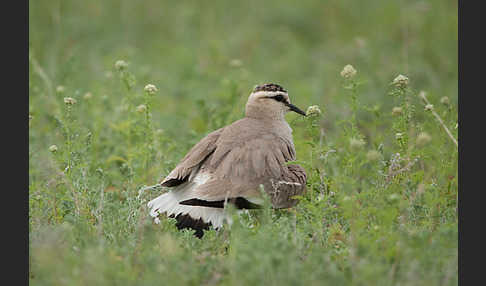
<point>198,218</point>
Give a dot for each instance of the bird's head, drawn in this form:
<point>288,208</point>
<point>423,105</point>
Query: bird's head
<point>270,101</point>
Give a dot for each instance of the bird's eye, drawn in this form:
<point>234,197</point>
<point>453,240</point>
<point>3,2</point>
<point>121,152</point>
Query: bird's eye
<point>279,97</point>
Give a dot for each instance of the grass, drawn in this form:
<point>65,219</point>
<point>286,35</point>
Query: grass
<point>381,206</point>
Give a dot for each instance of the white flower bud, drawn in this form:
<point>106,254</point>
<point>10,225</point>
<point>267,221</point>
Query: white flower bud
<point>444,100</point>
<point>397,110</point>
<point>429,107</point>
<point>348,71</point>
<point>141,108</point>
<point>313,110</point>
<point>53,148</point>
<point>69,101</point>
<point>399,135</point>
<point>121,65</point>
<point>150,89</point>
<point>400,81</point>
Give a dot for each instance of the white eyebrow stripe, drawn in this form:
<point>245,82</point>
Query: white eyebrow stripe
<point>269,93</point>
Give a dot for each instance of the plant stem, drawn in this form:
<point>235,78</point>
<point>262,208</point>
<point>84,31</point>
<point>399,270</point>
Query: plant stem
<point>422,95</point>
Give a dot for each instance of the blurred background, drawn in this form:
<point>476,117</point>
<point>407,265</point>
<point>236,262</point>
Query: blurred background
<point>190,50</point>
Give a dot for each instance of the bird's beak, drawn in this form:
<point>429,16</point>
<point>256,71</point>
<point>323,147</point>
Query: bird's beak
<point>295,109</point>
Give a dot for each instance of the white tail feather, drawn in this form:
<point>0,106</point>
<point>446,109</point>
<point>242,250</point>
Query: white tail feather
<point>169,203</point>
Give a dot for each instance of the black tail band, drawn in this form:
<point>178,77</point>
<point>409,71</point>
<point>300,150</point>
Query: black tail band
<point>239,202</point>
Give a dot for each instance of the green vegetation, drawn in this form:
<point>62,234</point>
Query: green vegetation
<point>381,206</point>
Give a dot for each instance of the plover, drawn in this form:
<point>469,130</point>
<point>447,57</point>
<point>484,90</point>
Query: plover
<point>230,164</point>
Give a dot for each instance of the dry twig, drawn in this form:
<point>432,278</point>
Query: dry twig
<point>422,95</point>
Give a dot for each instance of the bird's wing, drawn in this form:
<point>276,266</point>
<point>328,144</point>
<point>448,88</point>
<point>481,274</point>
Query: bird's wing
<point>239,167</point>
<point>193,159</point>
<point>291,184</point>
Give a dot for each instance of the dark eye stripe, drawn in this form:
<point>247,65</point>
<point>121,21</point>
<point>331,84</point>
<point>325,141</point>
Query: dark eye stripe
<point>279,97</point>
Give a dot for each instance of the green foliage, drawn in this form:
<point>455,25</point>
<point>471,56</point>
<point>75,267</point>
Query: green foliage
<point>381,205</point>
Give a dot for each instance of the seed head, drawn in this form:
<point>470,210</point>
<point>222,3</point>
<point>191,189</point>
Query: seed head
<point>348,71</point>
<point>141,108</point>
<point>150,89</point>
<point>373,155</point>
<point>53,148</point>
<point>423,138</point>
<point>400,81</point>
<point>87,95</point>
<point>313,110</point>
<point>121,65</point>
<point>429,107</point>
<point>69,101</point>
<point>397,110</point>
<point>60,89</point>
<point>444,100</point>
<point>356,143</point>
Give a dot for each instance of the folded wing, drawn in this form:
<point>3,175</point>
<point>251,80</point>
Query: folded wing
<point>239,168</point>
<point>192,160</point>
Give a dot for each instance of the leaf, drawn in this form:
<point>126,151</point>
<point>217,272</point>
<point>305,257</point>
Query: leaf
<point>114,158</point>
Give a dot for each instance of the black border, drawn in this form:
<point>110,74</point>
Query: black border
<point>15,95</point>
<point>471,50</point>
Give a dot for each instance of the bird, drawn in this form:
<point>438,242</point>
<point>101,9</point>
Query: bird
<point>230,165</point>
